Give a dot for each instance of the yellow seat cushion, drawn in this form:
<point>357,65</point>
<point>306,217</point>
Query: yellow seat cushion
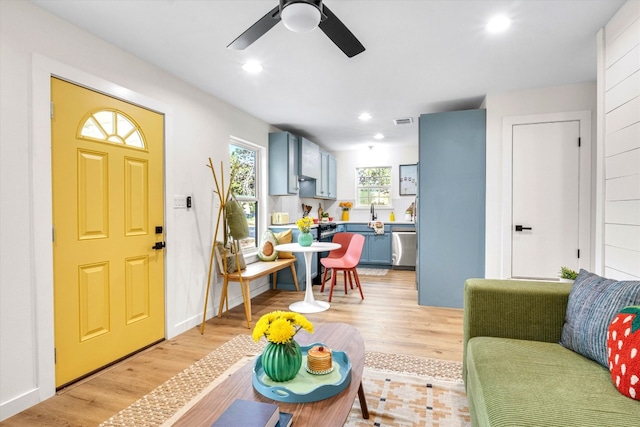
<point>284,237</point>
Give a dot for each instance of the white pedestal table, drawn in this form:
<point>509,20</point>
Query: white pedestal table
<point>309,305</point>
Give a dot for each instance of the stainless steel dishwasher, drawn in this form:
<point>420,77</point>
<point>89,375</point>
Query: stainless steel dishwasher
<point>403,249</point>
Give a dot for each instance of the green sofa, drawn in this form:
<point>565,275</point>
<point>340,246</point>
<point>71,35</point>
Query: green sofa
<point>516,373</point>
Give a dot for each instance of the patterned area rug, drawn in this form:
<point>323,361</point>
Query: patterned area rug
<point>372,271</point>
<point>401,390</point>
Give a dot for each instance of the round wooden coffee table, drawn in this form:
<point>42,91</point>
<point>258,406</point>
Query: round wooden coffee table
<point>328,412</point>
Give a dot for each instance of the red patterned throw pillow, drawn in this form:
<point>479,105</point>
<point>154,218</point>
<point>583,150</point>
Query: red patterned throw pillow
<point>623,351</point>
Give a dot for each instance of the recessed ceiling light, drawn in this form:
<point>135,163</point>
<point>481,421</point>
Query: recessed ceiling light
<point>364,117</point>
<point>252,67</point>
<point>498,24</point>
<point>378,136</point>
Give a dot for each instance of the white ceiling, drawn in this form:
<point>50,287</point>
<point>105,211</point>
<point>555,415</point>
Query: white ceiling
<point>422,56</point>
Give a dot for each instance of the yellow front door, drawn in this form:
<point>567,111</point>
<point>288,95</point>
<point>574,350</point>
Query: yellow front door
<point>107,160</point>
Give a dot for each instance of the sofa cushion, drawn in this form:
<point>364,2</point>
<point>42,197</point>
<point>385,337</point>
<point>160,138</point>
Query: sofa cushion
<point>623,349</point>
<point>531,384</point>
<point>593,303</point>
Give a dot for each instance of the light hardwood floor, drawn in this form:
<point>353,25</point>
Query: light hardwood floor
<point>389,319</point>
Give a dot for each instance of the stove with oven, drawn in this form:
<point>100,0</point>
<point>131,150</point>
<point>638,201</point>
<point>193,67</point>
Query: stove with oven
<point>326,231</point>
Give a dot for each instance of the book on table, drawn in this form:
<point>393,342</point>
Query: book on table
<point>285,419</point>
<point>248,413</point>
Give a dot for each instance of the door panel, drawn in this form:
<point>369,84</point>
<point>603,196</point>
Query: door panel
<point>108,281</point>
<point>545,198</point>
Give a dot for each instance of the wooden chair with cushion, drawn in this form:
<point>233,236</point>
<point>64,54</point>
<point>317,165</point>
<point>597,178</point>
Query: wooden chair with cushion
<point>344,259</point>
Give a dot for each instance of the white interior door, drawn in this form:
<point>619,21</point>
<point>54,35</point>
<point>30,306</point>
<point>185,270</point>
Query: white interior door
<point>545,200</point>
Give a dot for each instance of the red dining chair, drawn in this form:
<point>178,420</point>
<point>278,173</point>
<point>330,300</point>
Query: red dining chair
<point>344,259</point>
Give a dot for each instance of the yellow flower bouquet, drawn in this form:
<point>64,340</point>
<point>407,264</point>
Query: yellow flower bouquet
<point>345,206</point>
<point>304,224</point>
<point>279,327</point>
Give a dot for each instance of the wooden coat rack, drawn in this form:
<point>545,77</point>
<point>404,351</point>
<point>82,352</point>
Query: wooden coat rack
<point>224,198</point>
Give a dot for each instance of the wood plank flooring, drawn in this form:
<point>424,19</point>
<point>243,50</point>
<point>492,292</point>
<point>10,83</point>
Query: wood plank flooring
<point>389,319</point>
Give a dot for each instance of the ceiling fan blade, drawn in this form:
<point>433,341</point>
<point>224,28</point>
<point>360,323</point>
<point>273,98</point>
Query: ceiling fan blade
<point>340,34</point>
<point>257,30</point>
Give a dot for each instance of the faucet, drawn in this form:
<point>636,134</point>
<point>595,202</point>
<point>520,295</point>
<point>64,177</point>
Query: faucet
<point>373,213</point>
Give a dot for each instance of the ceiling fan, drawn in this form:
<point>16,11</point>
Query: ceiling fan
<point>302,16</point>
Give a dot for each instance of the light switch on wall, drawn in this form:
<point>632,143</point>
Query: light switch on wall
<point>179,202</point>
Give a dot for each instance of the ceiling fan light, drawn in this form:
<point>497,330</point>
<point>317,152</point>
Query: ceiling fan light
<point>300,17</point>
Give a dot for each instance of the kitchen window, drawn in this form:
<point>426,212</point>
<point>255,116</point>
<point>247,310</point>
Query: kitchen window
<point>243,159</point>
<point>373,186</point>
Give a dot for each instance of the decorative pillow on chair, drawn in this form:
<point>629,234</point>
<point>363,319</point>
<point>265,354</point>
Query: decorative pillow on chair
<point>623,349</point>
<point>593,303</point>
<point>282,238</point>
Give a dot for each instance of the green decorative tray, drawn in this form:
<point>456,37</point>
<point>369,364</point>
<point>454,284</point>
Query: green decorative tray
<point>305,387</point>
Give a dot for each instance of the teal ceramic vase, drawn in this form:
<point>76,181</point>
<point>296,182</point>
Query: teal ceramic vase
<point>305,239</point>
<point>281,362</point>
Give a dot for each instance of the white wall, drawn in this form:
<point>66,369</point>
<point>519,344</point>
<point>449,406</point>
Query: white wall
<point>570,98</point>
<point>33,45</point>
<point>619,138</point>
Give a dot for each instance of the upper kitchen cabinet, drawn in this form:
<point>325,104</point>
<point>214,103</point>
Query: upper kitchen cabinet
<point>283,164</point>
<point>309,159</point>
<point>324,187</point>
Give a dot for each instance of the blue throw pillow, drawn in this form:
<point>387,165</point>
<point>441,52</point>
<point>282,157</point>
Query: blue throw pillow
<point>593,303</point>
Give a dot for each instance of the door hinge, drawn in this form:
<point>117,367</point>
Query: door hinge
<point>579,142</point>
<point>53,234</point>
<point>55,355</point>
<point>51,109</point>
<point>578,253</point>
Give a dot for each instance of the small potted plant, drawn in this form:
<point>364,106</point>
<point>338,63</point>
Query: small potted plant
<point>325,217</point>
<point>567,274</point>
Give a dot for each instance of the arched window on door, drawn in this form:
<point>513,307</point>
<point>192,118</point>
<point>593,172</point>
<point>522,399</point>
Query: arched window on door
<point>112,126</point>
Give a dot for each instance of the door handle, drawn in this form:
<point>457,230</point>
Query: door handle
<point>521,228</point>
<point>158,246</point>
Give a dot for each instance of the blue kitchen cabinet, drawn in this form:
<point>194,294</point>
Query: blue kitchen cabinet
<point>325,187</point>
<point>377,247</point>
<point>332,181</point>
<point>284,277</point>
<point>309,159</point>
<point>283,164</point>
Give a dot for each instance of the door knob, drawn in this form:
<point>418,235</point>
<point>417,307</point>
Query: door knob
<point>521,228</point>
<point>158,246</point>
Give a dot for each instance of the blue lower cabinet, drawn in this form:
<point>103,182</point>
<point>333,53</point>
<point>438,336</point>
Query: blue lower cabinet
<point>377,247</point>
<point>284,276</point>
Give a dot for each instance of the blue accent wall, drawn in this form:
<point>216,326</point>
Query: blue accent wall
<point>451,205</point>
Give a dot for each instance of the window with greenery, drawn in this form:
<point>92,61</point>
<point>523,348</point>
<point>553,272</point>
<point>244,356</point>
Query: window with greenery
<point>373,186</point>
<point>244,163</point>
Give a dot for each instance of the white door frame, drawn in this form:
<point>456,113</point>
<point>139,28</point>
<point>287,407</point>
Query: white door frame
<point>584,232</point>
<point>43,68</point>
